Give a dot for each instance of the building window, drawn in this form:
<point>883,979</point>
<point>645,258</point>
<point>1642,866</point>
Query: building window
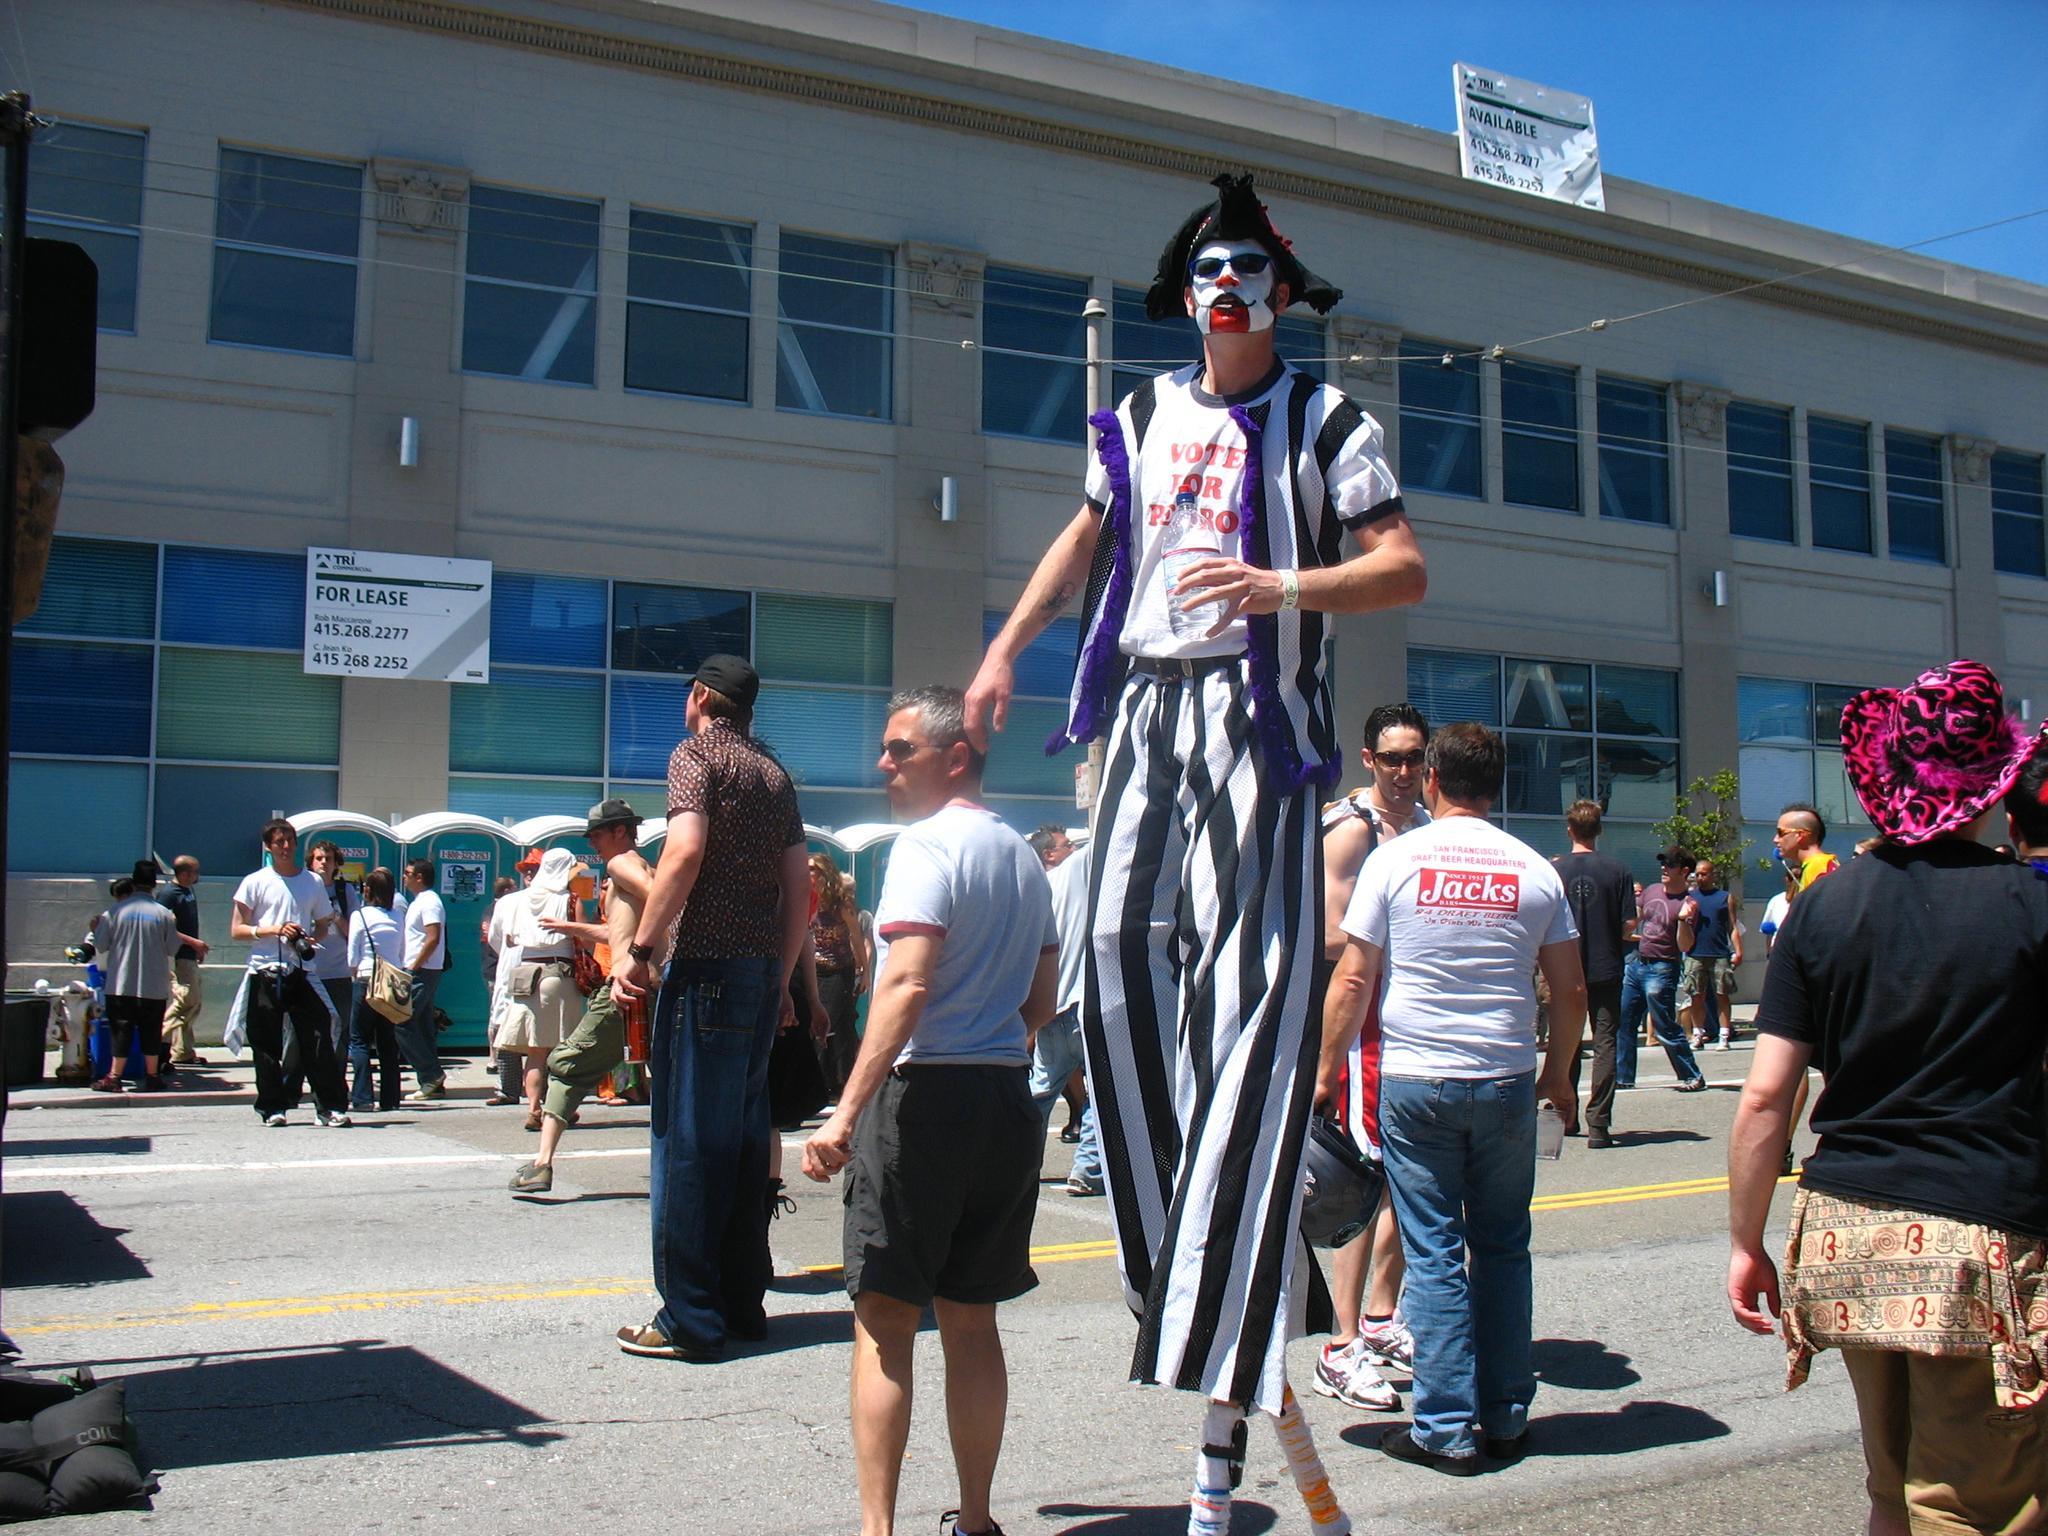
<point>1838,479</point>
<point>529,302</point>
<point>1539,435</point>
<point>1912,497</point>
<point>1635,458</point>
<point>285,233</point>
<point>2016,519</point>
<point>1791,750</point>
<point>85,186</point>
<point>1759,472</point>
<point>834,351</point>
<point>1034,380</point>
<point>1025,785</point>
<point>1439,419</point>
<point>590,679</point>
<point>689,285</point>
<point>165,683</point>
<point>1573,731</point>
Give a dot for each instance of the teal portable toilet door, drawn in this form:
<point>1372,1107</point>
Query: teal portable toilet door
<point>468,853</point>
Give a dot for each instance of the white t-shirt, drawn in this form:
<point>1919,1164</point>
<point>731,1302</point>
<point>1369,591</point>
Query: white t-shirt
<point>1192,461</point>
<point>272,899</point>
<point>962,876</point>
<point>331,963</point>
<point>1460,909</point>
<point>1069,884</point>
<point>374,933</point>
<point>424,911</point>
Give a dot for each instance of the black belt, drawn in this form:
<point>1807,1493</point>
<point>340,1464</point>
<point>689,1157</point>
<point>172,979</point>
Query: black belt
<point>1181,666</point>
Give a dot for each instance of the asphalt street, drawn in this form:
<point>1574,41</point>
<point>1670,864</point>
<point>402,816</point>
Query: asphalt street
<point>361,1330</point>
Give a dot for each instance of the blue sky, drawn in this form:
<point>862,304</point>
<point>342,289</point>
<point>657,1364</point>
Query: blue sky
<point>1880,119</point>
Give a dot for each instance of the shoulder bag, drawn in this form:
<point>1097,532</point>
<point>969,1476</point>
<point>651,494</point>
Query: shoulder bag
<point>390,988</point>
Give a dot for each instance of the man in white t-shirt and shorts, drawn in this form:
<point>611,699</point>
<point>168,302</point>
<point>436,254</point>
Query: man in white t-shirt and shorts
<point>1456,916</point>
<point>281,912</point>
<point>936,1127</point>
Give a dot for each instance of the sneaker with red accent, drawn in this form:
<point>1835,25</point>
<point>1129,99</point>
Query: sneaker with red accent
<point>1388,1345</point>
<point>1343,1373</point>
<point>107,1085</point>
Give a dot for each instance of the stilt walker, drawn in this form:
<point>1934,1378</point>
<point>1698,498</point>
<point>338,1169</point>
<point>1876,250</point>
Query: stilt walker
<point>1212,545</point>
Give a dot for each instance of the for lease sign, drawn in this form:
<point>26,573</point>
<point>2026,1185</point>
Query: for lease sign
<point>372,614</point>
<point>1527,137</point>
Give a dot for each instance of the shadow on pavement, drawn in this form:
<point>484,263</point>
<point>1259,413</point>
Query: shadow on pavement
<point>595,1198</point>
<point>1246,1519</point>
<point>1655,1138</point>
<point>81,1146</point>
<point>337,1400</point>
<point>806,1330</point>
<point>50,1239</point>
<point>825,1283</point>
<point>1585,1365</point>
<point>1632,1427</point>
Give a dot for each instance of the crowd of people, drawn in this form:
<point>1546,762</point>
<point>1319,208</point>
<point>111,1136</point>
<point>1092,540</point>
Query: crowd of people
<point>1234,958</point>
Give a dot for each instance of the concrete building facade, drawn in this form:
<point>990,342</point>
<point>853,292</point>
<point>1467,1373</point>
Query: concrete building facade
<point>695,306</point>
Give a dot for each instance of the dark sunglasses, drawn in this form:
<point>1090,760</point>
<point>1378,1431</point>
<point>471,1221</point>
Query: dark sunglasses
<point>1393,760</point>
<point>1246,264</point>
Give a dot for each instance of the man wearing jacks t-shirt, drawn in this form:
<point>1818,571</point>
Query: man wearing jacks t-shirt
<point>1212,544</point>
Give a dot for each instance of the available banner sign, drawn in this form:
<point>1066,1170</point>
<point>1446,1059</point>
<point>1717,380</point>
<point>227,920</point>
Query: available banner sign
<point>1514,133</point>
<point>370,614</point>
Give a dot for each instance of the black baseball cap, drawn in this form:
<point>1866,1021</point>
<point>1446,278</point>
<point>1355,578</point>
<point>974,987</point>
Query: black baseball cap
<point>146,872</point>
<point>733,676</point>
<point>609,813</point>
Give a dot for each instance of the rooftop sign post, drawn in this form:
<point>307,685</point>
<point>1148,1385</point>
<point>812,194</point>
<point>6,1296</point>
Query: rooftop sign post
<point>1531,138</point>
<point>371,614</point>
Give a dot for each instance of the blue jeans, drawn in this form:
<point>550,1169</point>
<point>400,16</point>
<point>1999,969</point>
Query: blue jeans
<point>708,1172</point>
<point>1054,1055</point>
<point>416,1036</point>
<point>1660,990</point>
<point>368,1031</point>
<point>1461,1163</point>
<point>1630,1030</point>
<point>1088,1154</point>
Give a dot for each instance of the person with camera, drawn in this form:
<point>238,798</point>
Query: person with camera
<point>281,912</point>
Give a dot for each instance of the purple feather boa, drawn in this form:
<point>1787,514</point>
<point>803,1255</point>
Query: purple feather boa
<point>1099,656</point>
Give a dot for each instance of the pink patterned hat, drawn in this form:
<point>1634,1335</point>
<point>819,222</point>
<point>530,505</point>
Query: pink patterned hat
<point>1933,757</point>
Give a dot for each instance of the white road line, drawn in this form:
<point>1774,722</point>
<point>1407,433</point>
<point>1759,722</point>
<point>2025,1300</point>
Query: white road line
<point>56,1171</point>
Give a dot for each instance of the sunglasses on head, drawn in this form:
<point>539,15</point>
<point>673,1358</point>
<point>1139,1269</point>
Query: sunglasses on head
<point>1244,264</point>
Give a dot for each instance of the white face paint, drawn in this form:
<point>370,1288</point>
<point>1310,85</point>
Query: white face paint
<point>1232,301</point>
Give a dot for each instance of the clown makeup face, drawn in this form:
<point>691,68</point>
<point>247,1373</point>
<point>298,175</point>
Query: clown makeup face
<point>1226,298</point>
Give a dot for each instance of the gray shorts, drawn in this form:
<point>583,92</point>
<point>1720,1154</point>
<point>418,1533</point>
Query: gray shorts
<point>943,1187</point>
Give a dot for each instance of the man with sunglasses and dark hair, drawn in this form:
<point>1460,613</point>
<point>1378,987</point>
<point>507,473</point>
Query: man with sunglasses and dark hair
<point>1370,1335</point>
<point>1234,503</point>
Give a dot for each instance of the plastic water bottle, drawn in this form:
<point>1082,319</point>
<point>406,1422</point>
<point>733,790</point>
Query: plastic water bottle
<point>1549,1133</point>
<point>1185,540</point>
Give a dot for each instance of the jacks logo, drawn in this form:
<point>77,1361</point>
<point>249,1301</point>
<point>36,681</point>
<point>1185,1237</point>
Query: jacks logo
<point>1467,891</point>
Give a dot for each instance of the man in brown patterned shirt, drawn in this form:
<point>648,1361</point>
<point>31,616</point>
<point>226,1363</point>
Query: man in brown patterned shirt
<point>734,869</point>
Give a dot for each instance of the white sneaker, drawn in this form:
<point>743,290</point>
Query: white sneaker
<point>1727,1044</point>
<point>1388,1345</point>
<point>1345,1375</point>
<point>338,1119</point>
<point>273,1120</point>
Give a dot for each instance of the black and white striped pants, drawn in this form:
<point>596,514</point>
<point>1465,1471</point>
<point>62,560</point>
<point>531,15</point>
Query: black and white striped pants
<point>1205,912</point>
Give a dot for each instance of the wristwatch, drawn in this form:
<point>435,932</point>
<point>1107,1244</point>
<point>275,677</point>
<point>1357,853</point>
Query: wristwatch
<point>640,951</point>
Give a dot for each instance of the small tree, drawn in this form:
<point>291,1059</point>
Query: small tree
<point>1706,821</point>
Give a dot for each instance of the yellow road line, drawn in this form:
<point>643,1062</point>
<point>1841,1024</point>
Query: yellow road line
<point>346,1302</point>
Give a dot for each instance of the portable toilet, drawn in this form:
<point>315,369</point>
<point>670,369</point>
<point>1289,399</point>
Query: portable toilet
<point>469,854</point>
<point>364,841</point>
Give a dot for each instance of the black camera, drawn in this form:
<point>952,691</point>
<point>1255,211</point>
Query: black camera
<point>79,954</point>
<point>304,948</point>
